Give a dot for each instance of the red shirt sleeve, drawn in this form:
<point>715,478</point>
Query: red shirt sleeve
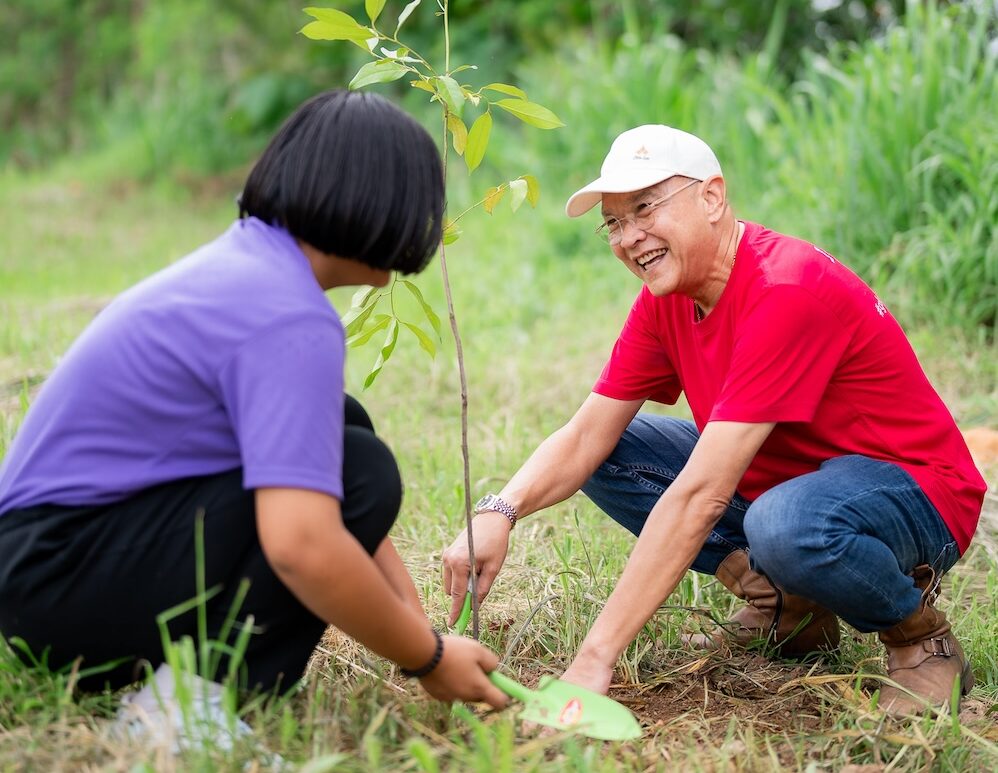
<point>785,352</point>
<point>639,367</point>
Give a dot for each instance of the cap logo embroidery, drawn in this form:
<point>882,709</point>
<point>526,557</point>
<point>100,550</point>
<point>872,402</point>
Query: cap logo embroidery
<point>642,154</point>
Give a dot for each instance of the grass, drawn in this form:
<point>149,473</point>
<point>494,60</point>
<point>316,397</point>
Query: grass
<point>896,181</point>
<point>545,321</point>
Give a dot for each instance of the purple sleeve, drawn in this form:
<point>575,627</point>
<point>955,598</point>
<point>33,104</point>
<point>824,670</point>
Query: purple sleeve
<point>283,391</point>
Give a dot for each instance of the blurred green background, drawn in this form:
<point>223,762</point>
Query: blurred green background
<point>867,126</point>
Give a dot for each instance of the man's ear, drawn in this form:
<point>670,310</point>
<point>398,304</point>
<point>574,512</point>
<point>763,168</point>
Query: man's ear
<point>715,197</point>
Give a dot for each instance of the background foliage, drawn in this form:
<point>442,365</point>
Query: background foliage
<point>868,127</point>
<point>75,73</point>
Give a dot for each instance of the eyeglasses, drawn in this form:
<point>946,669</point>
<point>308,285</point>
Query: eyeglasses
<point>612,229</point>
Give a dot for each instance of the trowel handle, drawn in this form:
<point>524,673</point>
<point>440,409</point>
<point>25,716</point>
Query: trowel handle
<point>462,620</point>
<point>511,687</point>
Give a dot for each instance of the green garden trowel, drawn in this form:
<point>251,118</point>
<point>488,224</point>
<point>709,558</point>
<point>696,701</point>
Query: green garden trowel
<point>563,705</point>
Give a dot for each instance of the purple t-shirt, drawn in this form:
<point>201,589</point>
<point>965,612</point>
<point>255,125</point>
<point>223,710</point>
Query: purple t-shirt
<point>231,357</point>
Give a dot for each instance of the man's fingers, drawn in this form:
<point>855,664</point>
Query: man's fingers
<point>485,580</point>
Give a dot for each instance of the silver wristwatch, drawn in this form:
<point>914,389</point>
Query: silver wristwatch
<point>494,503</point>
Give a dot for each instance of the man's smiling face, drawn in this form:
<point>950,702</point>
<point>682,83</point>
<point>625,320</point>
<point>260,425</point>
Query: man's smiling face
<point>663,255</point>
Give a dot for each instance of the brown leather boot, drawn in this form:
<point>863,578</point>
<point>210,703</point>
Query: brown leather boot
<point>923,656</point>
<point>792,625</point>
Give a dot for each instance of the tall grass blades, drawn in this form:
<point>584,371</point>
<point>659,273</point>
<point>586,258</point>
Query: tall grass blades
<point>882,153</point>
<point>889,161</point>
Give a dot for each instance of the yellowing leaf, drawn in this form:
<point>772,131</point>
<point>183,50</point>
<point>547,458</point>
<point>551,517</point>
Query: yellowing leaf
<point>459,132</point>
<point>533,189</point>
<point>423,85</point>
<point>531,113</point>
<point>492,198</point>
<point>451,233</point>
<point>518,192</point>
<point>478,141</point>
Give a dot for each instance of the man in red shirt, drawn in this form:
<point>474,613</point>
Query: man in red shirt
<point>821,478</point>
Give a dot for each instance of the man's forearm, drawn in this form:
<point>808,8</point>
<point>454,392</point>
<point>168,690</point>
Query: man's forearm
<point>554,472</point>
<point>670,541</point>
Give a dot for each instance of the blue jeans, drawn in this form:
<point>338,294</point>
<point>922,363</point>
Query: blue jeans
<point>845,536</point>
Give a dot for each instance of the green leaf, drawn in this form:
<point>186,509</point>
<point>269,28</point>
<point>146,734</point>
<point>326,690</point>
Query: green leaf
<point>405,15</point>
<point>423,85</point>
<point>424,340</point>
<point>492,198</point>
<point>505,88</point>
<point>451,233</point>
<point>373,8</point>
<point>362,337</point>
<point>533,189</point>
<point>518,193</point>
<point>382,71</point>
<point>331,24</point>
<point>427,309</point>
<point>459,132</point>
<point>531,113</point>
<point>386,351</point>
<point>478,141</point>
<point>353,324</point>
<point>450,92</point>
<point>361,296</point>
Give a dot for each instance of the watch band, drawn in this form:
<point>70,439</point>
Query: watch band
<point>495,503</point>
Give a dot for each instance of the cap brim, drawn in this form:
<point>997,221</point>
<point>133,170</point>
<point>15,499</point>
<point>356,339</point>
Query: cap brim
<point>586,198</point>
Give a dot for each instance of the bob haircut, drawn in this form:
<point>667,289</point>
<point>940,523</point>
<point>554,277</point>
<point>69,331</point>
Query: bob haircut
<point>352,175</point>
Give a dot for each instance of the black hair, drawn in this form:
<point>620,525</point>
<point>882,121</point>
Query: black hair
<point>352,175</point>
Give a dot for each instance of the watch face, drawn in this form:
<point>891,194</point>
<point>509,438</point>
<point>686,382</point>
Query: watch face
<point>484,501</point>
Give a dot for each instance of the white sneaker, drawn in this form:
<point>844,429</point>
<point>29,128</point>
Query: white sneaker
<point>154,714</point>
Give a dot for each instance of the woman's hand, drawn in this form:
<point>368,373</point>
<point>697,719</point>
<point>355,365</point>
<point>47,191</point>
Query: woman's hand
<point>491,532</point>
<point>463,674</point>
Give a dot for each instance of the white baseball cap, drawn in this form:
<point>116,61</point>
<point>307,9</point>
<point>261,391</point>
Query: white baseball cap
<point>642,157</point>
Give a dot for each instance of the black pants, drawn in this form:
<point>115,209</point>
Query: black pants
<point>89,581</point>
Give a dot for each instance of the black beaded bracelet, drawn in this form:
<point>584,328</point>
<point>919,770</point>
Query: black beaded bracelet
<point>419,673</point>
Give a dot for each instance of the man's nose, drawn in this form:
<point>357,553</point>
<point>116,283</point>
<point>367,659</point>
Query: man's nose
<point>630,233</point>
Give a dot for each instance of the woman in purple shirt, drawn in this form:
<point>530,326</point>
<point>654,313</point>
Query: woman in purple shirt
<point>213,391</point>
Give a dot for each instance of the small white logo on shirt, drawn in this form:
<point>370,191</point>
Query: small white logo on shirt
<point>881,309</point>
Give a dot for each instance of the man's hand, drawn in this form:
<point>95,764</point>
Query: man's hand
<point>491,532</point>
<point>463,674</point>
<point>589,671</point>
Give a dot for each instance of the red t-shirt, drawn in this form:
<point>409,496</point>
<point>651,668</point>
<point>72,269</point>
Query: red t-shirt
<point>798,339</point>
